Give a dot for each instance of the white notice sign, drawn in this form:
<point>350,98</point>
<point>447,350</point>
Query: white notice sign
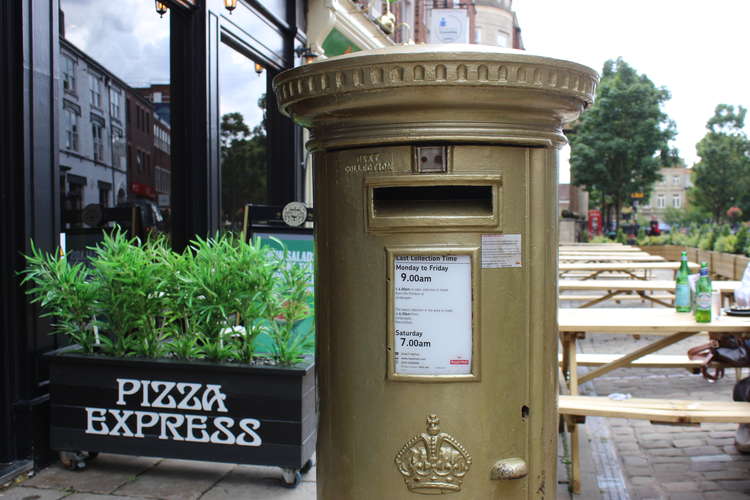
<point>433,308</point>
<point>501,250</point>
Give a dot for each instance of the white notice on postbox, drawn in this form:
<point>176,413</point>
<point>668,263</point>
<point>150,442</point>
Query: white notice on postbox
<point>432,307</point>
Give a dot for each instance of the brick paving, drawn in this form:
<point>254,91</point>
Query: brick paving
<point>671,461</point>
<point>120,477</point>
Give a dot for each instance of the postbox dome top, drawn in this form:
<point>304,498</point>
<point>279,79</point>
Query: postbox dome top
<point>408,92</point>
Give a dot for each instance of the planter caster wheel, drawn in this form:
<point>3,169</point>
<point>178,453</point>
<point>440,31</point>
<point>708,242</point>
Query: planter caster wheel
<point>292,477</point>
<point>76,460</point>
<point>306,468</point>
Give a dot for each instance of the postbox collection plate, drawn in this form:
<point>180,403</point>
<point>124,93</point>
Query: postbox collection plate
<point>433,331</point>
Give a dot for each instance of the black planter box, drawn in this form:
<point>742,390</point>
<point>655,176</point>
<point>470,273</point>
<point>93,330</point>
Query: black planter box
<point>220,412</point>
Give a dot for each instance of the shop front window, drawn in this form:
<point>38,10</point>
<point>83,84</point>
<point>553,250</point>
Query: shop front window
<point>70,123</point>
<point>243,128</point>
<point>95,90</point>
<point>115,98</point>
<point>69,74</point>
<point>97,130</point>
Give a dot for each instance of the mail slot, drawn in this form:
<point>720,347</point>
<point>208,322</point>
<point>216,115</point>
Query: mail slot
<point>436,193</point>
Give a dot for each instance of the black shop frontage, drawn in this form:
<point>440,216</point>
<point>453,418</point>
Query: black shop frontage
<point>37,189</point>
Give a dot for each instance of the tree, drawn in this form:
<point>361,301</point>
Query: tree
<point>720,178</point>
<point>621,142</point>
<point>684,217</point>
<point>243,164</point>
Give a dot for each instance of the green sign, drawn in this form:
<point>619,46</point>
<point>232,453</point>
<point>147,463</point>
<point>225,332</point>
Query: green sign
<point>337,44</point>
<point>300,249</point>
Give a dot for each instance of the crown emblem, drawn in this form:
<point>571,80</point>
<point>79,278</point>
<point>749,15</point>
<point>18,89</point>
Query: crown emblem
<point>433,462</point>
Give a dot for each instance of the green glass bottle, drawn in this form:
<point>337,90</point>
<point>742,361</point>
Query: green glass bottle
<point>703,296</point>
<point>682,286</point>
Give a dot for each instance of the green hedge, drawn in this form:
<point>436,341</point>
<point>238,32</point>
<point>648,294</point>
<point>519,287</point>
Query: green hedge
<point>704,237</point>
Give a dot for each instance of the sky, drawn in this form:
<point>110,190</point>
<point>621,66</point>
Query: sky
<point>694,49</point>
<point>125,36</point>
<point>130,39</point>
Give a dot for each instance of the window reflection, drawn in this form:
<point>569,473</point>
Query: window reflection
<point>115,134</point>
<point>243,128</point>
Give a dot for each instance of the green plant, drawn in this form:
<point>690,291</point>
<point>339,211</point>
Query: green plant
<point>679,238</point>
<point>223,283</point>
<point>705,243</point>
<point>65,293</point>
<point>726,244</point>
<point>693,238</point>
<point>600,239</point>
<point>657,240</point>
<point>212,301</point>
<point>131,295</point>
<point>742,240</point>
<point>641,237</point>
<point>708,237</point>
<point>292,303</point>
<point>186,347</point>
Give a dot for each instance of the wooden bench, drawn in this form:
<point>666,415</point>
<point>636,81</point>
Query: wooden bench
<point>648,361</point>
<point>683,412</point>
<point>665,297</point>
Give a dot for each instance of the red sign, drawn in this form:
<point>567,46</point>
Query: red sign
<point>595,222</point>
<point>143,190</point>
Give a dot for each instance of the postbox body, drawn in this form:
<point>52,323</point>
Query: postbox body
<point>436,199</point>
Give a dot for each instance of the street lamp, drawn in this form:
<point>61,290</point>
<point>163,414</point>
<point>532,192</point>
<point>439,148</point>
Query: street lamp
<point>161,8</point>
<point>230,5</point>
<point>258,68</point>
<point>306,53</point>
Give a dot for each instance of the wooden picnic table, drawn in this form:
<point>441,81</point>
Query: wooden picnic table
<point>614,289</point>
<point>611,258</point>
<point>581,252</point>
<point>599,248</point>
<point>629,268</point>
<point>671,327</point>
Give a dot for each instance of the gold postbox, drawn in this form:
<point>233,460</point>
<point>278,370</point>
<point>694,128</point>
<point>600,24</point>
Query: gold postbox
<point>435,174</point>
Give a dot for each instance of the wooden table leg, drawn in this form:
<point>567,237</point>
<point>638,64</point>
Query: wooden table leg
<point>600,299</point>
<point>638,353</point>
<point>643,294</point>
<point>570,365</point>
<point>635,275</point>
<point>592,276</point>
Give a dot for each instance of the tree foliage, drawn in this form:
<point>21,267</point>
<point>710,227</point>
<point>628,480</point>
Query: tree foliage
<point>720,178</point>
<point>683,217</point>
<point>244,172</point>
<point>621,142</point>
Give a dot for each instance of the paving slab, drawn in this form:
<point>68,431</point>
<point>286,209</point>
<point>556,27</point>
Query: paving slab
<point>172,479</point>
<point>94,496</point>
<point>104,474</point>
<point>246,482</point>
<point>27,493</point>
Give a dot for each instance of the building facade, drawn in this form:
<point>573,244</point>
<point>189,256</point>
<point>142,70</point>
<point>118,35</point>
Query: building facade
<point>497,24</point>
<point>573,199</point>
<point>162,162</point>
<point>93,163</point>
<point>670,192</point>
<point>486,22</point>
<point>140,147</point>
